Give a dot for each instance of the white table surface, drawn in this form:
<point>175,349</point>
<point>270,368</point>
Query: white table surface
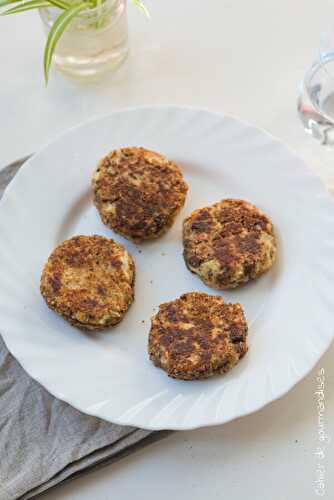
<point>239,57</point>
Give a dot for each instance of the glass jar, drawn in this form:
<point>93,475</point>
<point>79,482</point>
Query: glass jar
<point>95,42</point>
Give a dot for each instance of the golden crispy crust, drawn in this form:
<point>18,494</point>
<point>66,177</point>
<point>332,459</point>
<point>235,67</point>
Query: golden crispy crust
<point>138,192</point>
<point>197,336</point>
<point>228,243</point>
<point>89,280</point>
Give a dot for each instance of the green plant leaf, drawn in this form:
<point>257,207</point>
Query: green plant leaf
<point>61,4</point>
<point>4,3</point>
<point>23,6</point>
<point>97,4</point>
<point>142,7</point>
<point>57,29</point>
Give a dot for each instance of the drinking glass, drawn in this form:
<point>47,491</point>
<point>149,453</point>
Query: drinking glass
<point>316,98</point>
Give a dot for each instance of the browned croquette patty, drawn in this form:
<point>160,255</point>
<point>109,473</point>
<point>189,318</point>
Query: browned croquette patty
<point>197,336</point>
<point>89,281</point>
<point>228,243</point>
<point>138,192</point>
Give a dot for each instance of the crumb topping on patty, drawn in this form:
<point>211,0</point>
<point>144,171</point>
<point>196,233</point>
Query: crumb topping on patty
<point>138,192</point>
<point>197,336</point>
<point>89,280</point>
<point>228,243</point>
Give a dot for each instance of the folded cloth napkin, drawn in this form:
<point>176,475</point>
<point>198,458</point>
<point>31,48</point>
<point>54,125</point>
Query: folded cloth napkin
<point>44,441</point>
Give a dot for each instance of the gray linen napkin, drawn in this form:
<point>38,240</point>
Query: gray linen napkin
<point>44,441</point>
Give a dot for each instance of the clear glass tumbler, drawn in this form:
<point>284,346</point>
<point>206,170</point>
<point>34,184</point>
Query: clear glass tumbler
<point>95,43</point>
<point>316,98</point>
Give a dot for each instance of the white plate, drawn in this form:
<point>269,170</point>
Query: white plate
<point>290,310</point>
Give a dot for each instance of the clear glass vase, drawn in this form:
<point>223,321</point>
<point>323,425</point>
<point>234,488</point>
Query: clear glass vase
<point>95,43</point>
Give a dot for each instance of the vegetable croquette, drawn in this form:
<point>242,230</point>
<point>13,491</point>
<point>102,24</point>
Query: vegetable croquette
<point>197,336</point>
<point>89,281</point>
<point>228,243</point>
<point>138,193</point>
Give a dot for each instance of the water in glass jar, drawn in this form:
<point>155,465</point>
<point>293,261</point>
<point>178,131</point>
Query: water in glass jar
<point>95,43</point>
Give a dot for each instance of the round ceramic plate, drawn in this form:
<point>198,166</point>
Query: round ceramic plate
<point>290,310</point>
